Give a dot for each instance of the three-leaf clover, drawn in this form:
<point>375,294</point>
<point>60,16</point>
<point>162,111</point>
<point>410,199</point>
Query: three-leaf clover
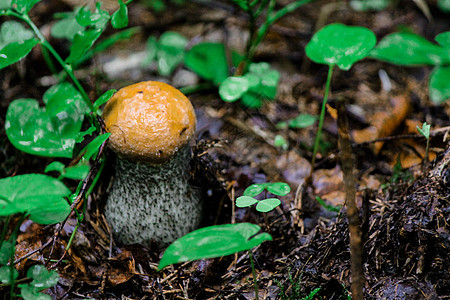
<point>265,205</point>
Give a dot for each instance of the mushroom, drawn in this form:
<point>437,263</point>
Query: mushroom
<point>150,201</point>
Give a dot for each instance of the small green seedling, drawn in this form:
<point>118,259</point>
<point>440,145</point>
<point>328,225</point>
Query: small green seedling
<point>259,84</point>
<point>337,45</point>
<point>365,5</point>
<point>425,131</point>
<point>216,241</point>
<point>299,122</point>
<point>168,52</point>
<point>280,142</point>
<point>266,205</point>
<point>409,49</point>
<point>328,206</point>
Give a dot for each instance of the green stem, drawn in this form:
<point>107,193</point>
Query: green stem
<point>255,281</point>
<point>322,117</point>
<point>67,68</point>
<point>11,257</point>
<point>48,61</point>
<point>5,229</point>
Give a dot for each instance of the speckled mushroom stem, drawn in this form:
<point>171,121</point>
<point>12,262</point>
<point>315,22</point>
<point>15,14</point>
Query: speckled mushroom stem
<point>153,203</point>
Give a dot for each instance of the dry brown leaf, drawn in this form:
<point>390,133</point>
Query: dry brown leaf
<point>384,123</point>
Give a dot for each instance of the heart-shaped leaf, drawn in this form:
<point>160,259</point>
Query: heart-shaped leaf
<point>439,85</point>
<point>14,52</point>
<point>48,131</point>
<point>233,88</point>
<point>213,241</point>
<point>404,48</point>
<point>278,188</point>
<point>30,293</point>
<point>267,205</point>
<point>245,201</point>
<point>40,196</point>
<point>42,278</point>
<point>255,189</point>
<point>341,45</point>
<point>209,61</point>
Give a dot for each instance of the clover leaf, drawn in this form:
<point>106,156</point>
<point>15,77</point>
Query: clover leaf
<point>341,45</point>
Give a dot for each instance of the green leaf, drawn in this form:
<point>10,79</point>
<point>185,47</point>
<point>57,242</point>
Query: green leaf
<point>280,142</point>
<point>443,39</point>
<point>252,99</point>
<point>364,5</point>
<point>5,4</point>
<point>42,278</point>
<point>341,45</point>
<point>14,32</point>
<point>209,61</point>
<point>104,98</point>
<point>30,293</point>
<point>14,52</point>
<point>82,42</point>
<point>302,121</point>
<point>404,48</point>
<point>233,88</point>
<point>40,196</point>
<point>6,251</point>
<point>267,79</point>
<point>245,201</point>
<point>48,131</point>
<point>170,52</point>
<point>425,130</point>
<point>119,18</point>
<point>439,84</point>
<point>55,166</point>
<point>255,189</point>
<point>213,241</point>
<point>5,274</point>
<point>77,172</point>
<point>278,188</point>
<point>98,19</point>
<point>267,205</point>
<point>66,28</point>
<point>444,5</point>
<point>24,6</point>
<point>92,148</point>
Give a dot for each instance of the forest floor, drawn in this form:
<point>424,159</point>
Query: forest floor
<point>404,203</point>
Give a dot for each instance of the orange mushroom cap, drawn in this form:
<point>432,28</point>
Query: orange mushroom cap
<point>149,122</point>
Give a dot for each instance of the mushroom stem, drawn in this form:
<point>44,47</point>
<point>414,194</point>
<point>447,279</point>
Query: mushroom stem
<point>153,204</point>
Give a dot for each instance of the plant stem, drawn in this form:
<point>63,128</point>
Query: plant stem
<point>67,68</point>
<point>322,117</point>
<point>13,251</point>
<point>255,281</point>
<point>354,222</point>
<point>5,229</point>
